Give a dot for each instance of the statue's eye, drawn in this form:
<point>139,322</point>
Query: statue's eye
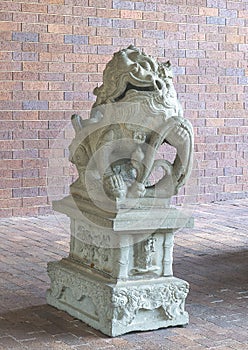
<point>145,65</point>
<point>133,56</point>
<point>159,85</point>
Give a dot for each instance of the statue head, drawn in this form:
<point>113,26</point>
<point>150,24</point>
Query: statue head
<point>132,69</point>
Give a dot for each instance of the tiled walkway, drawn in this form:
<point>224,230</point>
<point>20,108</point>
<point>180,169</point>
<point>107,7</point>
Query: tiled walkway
<point>213,258</point>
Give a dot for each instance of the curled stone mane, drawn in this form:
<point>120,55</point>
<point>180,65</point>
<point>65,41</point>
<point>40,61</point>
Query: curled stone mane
<point>133,76</point>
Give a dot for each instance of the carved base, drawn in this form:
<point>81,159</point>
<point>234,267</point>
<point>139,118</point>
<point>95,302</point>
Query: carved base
<point>116,308</point>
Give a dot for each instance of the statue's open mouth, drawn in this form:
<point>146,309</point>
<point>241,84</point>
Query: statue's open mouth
<point>133,87</point>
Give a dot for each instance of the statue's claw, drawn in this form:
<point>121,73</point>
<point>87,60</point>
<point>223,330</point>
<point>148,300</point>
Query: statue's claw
<point>115,186</point>
<point>137,190</point>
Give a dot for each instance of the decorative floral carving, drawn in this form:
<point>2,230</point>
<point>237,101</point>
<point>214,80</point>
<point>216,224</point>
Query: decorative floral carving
<point>128,301</point>
<point>91,237</point>
<point>116,306</point>
<point>80,288</point>
<point>97,257</point>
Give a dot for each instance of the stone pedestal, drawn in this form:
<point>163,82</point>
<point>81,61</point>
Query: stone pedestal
<point>118,276</point>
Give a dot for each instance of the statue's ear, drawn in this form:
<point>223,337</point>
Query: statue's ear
<point>167,64</point>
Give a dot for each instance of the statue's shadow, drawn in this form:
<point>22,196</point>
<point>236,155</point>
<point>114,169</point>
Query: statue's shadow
<point>45,324</point>
<point>218,285</point>
<point>215,271</point>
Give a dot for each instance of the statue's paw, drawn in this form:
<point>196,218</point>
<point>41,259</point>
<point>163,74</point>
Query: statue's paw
<point>137,190</point>
<point>182,133</point>
<point>178,135</point>
<point>115,186</point>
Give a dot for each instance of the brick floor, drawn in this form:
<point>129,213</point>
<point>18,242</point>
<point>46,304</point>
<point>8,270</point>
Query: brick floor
<point>213,258</point>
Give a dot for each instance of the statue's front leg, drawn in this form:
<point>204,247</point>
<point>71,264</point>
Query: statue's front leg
<point>113,183</point>
<point>181,137</point>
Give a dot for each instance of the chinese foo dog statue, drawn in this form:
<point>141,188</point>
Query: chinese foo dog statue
<point>118,276</point>
<point>135,112</point>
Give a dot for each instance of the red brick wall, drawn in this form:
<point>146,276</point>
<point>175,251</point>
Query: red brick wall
<point>52,56</point>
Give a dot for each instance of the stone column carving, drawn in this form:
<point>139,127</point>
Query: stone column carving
<point>168,253</point>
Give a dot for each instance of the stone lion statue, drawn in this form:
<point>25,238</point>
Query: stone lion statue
<point>135,112</point>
